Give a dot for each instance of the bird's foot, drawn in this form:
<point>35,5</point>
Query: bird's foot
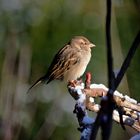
<point>74,83</point>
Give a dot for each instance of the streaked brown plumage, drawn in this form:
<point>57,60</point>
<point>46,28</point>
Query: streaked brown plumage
<point>70,62</point>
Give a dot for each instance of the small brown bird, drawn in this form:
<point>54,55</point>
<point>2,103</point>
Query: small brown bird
<point>70,62</point>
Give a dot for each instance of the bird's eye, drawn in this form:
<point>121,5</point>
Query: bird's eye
<point>83,43</point>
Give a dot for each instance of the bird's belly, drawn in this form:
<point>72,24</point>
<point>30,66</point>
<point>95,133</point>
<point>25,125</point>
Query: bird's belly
<point>77,70</point>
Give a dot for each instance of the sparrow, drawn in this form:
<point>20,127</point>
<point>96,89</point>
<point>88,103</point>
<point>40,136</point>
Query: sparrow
<point>70,62</point>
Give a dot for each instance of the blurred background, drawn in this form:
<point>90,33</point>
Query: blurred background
<point>31,32</point>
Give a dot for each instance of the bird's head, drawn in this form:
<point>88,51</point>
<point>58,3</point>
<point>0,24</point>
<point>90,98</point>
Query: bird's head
<point>82,43</point>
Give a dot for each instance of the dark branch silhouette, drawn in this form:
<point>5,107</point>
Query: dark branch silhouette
<point>127,60</point>
<point>107,104</point>
<point>108,45</point>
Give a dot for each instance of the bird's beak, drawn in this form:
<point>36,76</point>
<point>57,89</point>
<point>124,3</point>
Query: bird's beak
<point>91,45</point>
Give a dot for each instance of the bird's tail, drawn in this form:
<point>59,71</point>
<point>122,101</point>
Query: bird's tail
<point>40,80</point>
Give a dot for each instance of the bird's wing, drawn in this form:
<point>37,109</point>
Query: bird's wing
<point>63,60</point>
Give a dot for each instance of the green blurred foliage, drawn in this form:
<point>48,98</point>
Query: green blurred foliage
<point>31,32</point>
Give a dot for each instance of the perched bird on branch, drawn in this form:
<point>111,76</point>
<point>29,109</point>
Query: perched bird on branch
<point>70,62</point>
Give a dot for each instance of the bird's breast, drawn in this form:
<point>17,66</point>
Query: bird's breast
<point>78,69</point>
